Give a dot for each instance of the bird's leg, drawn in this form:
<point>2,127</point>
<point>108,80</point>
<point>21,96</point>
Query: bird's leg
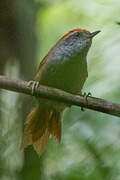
<point>86,95</point>
<point>34,85</point>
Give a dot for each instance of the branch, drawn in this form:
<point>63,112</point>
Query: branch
<point>55,94</point>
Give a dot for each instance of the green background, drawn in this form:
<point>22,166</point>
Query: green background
<point>90,145</point>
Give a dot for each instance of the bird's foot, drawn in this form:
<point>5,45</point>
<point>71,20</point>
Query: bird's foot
<point>34,85</point>
<point>86,95</point>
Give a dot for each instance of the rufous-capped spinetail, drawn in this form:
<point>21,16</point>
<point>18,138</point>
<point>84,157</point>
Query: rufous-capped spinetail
<point>65,68</point>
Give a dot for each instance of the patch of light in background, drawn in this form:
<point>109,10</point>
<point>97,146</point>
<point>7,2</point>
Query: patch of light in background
<point>11,127</point>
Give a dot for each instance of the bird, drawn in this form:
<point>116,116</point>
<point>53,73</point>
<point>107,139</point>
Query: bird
<point>65,68</point>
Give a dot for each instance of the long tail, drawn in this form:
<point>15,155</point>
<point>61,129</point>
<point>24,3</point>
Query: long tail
<point>40,124</point>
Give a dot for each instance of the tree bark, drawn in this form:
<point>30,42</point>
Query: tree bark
<point>93,103</point>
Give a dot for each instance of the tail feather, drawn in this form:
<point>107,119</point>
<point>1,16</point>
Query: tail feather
<point>55,126</point>
<point>40,124</point>
<point>40,144</point>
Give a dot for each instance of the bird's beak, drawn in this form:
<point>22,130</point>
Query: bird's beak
<point>91,35</point>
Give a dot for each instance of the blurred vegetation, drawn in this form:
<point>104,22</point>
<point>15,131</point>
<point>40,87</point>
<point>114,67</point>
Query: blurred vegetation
<point>90,146</point>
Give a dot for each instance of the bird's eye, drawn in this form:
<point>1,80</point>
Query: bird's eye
<point>77,34</point>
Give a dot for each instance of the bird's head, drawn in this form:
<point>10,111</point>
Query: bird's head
<point>76,41</point>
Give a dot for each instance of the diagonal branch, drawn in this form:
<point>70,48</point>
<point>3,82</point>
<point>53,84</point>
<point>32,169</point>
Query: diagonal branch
<point>93,103</point>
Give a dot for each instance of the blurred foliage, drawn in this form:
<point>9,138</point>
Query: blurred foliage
<point>90,144</point>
